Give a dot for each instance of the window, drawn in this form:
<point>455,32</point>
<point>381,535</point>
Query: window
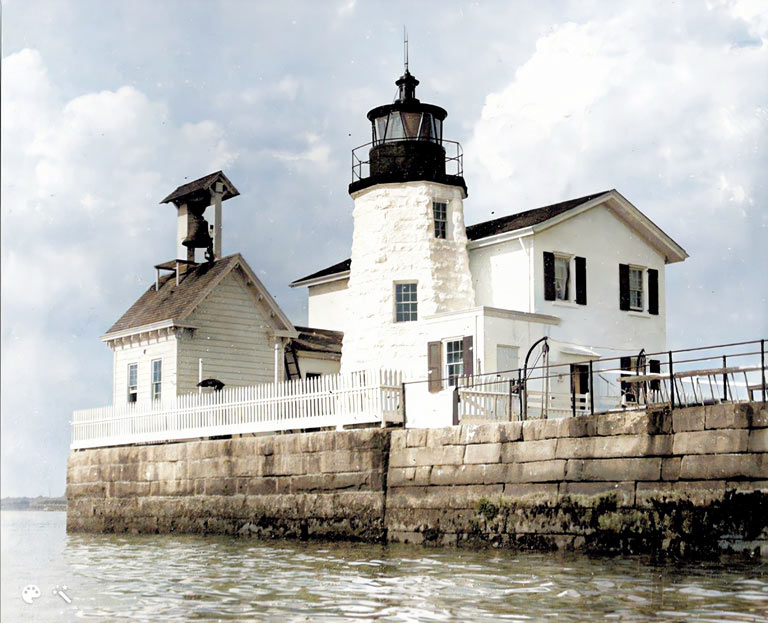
<point>405,302</point>
<point>133,382</point>
<point>633,283</point>
<point>440,211</point>
<point>635,288</point>
<point>558,284</point>
<point>157,379</point>
<point>562,274</point>
<point>454,360</point>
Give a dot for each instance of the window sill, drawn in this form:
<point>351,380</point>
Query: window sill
<point>638,314</point>
<point>561,303</point>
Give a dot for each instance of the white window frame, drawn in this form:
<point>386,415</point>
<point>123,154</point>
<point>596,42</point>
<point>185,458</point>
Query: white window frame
<point>157,385</point>
<point>450,374</point>
<point>643,287</point>
<point>415,302</point>
<point>132,390</point>
<point>443,222</point>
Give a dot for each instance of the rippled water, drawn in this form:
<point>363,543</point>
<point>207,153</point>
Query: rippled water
<point>178,578</point>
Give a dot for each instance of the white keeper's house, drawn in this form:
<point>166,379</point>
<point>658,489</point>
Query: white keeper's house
<point>426,293</point>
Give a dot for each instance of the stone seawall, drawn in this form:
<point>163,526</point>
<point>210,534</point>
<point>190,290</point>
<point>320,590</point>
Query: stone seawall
<point>689,482</point>
<point>319,485</point>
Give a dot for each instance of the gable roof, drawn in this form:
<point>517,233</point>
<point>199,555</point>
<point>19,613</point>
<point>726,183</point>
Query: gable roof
<point>172,302</point>
<point>530,218</point>
<point>335,270</point>
<point>203,184</point>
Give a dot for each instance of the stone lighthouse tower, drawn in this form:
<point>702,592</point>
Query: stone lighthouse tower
<point>409,248</point>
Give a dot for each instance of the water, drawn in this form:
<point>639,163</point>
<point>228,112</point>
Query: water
<point>186,578</point>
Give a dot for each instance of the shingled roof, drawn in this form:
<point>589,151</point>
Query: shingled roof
<point>175,302</point>
<point>318,341</point>
<point>204,183</point>
<point>482,230</point>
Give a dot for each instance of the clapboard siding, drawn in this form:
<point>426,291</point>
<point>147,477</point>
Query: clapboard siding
<point>143,353</point>
<point>233,338</point>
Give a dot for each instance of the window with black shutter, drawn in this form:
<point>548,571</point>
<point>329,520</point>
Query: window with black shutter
<point>624,287</point>
<point>549,276</point>
<point>468,352</point>
<point>653,291</point>
<point>581,281</point>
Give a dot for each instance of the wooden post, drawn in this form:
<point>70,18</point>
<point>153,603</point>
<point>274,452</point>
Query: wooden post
<point>671,384</point>
<point>591,390</point>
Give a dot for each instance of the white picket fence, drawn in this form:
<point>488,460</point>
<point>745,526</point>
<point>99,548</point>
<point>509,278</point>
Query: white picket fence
<point>367,397</point>
<point>493,402</point>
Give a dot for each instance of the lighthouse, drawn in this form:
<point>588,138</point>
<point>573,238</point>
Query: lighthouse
<point>409,246</point>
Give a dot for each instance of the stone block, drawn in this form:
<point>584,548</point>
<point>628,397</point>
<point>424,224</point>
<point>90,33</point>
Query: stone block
<point>728,416</point>
<point>582,426</point>
<point>724,466</point>
<point>537,471</point>
<point>216,448</point>
<point>684,420</point>
<point>480,433</point>
<point>613,469</point>
<point>758,440</point>
<point>510,431</point>
<point>317,442</point>
<point>623,424</point>
<point>482,453</point>
<point>700,493</point>
<point>615,446</point>
<point>401,476</point>
<point>646,493</point>
<point>417,437</point>
<point>534,430</point>
<point>219,486</point>
<point>448,436</point>
<point>716,441</point>
<point>670,468</point>
<point>262,486</point>
<point>760,415</point>
<point>747,486</point>
<point>540,491</point>
<point>441,497</point>
<point>289,443</point>
<point>398,439</point>
<point>625,491</point>
<point>288,464</point>
<point>526,451</point>
<point>416,456</point>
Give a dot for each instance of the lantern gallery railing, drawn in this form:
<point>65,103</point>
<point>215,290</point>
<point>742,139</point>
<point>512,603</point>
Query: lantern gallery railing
<point>454,157</point>
<point>369,397</point>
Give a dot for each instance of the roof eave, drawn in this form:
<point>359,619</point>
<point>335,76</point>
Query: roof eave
<point>318,280</point>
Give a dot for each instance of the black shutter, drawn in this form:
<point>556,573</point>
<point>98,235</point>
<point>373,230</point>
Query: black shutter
<point>434,361</point>
<point>653,291</point>
<point>624,286</point>
<point>654,367</point>
<point>468,355</point>
<point>581,281</point>
<point>549,276</point>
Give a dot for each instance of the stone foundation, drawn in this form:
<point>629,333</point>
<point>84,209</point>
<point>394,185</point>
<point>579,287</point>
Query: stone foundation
<point>688,483</point>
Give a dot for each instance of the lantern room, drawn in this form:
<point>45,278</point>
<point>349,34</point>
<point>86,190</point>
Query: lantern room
<point>407,143</point>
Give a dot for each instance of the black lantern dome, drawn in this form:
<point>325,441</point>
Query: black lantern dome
<point>407,143</point>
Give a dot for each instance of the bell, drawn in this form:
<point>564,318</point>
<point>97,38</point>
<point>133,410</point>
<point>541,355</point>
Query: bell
<point>197,233</point>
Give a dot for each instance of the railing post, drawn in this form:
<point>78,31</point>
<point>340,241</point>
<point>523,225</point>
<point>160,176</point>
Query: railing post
<point>573,392</point>
<point>521,396</point>
<point>402,401</point>
<point>591,391</point>
<point>725,380</point>
<point>510,400</point>
<point>762,364</point>
<point>671,384</point>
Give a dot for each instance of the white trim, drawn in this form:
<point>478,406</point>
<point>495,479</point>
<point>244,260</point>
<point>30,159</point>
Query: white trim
<point>499,238</point>
<point>495,312</point>
<point>146,328</point>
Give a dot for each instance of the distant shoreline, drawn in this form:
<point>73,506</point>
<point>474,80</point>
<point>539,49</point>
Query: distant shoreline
<point>34,504</point>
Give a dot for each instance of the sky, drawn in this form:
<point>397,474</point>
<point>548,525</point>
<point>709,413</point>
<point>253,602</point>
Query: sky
<point>108,106</point>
